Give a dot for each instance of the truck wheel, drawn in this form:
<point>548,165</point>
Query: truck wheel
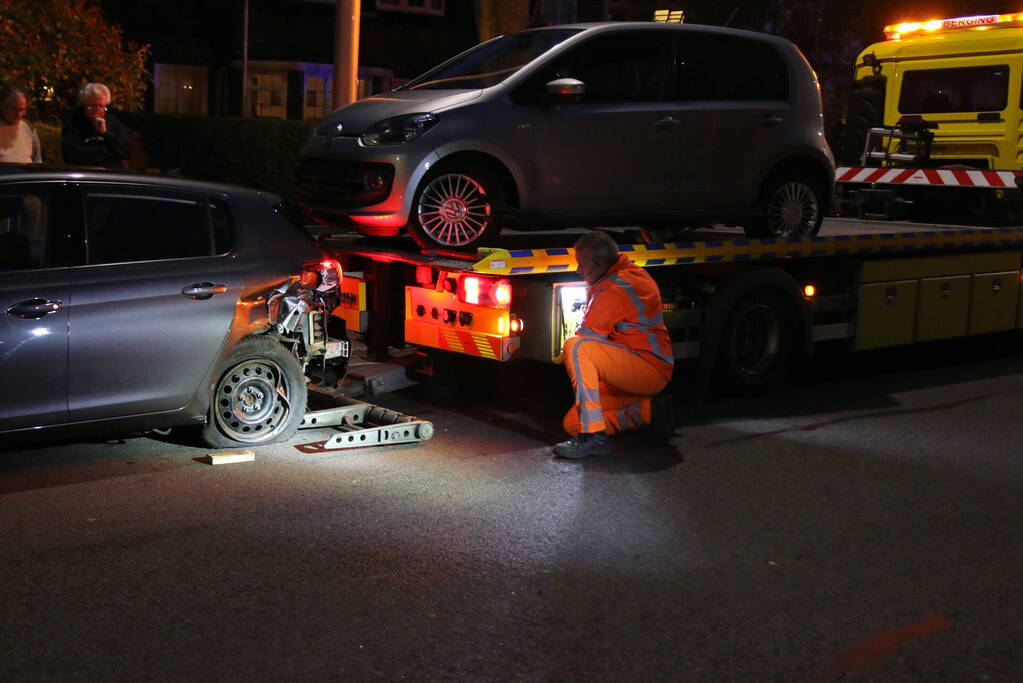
<point>258,398</point>
<point>791,208</point>
<point>866,110</point>
<point>459,209</point>
<point>757,342</point>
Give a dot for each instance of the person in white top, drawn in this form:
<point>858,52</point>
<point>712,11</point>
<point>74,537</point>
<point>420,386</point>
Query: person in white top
<point>19,143</point>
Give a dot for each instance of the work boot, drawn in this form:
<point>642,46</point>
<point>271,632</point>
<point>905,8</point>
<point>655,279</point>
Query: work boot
<point>662,416</point>
<point>583,446</point>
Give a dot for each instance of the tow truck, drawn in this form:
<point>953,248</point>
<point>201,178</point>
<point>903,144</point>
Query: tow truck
<point>745,310</point>
<point>933,119</point>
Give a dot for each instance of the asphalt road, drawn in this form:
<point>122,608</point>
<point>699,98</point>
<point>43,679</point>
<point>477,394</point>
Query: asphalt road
<point>861,524</point>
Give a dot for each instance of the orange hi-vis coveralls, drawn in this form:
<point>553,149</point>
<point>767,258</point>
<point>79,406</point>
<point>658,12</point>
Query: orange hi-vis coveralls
<point>621,354</point>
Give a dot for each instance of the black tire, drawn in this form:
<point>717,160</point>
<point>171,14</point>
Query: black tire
<point>259,396</point>
<point>866,110</point>
<point>791,206</point>
<point>758,342</point>
<point>457,208</point>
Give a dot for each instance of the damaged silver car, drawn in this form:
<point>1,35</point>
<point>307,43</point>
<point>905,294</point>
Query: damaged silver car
<point>134,302</point>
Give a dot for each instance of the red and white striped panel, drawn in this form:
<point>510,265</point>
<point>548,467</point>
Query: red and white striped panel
<point>927,176</point>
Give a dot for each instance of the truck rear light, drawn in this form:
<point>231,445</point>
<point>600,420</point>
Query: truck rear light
<point>484,291</point>
<point>516,325</point>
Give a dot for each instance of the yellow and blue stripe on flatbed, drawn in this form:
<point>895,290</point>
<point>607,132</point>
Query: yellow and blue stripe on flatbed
<point>562,259</point>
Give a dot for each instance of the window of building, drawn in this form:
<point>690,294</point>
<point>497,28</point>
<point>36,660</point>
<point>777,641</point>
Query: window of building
<point>418,6</point>
<point>317,92</point>
<point>553,12</point>
<point>268,95</point>
<point>180,89</point>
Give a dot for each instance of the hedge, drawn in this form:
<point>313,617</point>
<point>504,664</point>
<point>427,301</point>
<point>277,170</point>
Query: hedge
<point>260,153</point>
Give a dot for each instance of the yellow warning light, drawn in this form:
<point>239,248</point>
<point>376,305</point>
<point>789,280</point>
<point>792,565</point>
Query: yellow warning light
<point>809,291</point>
<point>977,22</point>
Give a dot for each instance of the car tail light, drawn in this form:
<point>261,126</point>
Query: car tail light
<point>322,274</point>
<point>484,291</point>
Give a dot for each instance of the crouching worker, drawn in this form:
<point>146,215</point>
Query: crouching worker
<point>620,359</point>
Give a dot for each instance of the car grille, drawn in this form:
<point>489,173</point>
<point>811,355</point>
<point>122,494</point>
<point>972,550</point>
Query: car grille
<point>330,185</point>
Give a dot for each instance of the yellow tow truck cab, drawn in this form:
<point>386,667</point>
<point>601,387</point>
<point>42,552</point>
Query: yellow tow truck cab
<point>940,99</point>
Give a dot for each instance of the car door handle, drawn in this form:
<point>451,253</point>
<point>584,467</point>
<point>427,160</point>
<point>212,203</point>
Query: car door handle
<point>772,120</point>
<point>33,308</point>
<point>203,290</point>
<point>668,122</point>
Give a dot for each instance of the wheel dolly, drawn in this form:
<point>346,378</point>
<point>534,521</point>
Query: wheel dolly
<point>361,424</point>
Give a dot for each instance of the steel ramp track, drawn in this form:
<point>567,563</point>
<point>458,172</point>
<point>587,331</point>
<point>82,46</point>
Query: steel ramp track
<point>362,424</point>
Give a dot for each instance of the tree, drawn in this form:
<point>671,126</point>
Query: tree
<point>54,47</point>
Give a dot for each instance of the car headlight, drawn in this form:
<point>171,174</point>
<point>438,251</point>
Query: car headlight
<point>399,129</point>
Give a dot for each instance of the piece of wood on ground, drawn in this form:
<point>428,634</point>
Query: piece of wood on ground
<point>228,457</point>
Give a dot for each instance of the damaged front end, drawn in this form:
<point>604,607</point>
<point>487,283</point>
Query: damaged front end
<point>299,313</point>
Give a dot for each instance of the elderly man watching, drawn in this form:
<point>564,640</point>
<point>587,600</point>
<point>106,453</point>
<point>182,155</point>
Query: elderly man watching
<point>92,136</point>
<point>19,143</point>
<point>620,357</point>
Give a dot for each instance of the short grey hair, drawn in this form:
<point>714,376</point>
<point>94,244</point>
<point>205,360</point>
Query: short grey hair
<point>599,247</point>
<point>91,89</point>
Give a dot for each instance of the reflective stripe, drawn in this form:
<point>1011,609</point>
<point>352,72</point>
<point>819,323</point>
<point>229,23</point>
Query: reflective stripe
<point>645,322</point>
<point>591,418</point>
<point>587,332</point>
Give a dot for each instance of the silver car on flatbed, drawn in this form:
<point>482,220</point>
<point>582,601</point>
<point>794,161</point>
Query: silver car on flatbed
<point>646,124</point>
<point>134,302</point>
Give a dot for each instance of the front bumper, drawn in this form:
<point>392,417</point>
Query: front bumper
<point>346,184</point>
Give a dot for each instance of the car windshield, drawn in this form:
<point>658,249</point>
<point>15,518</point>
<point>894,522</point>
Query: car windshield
<point>490,63</point>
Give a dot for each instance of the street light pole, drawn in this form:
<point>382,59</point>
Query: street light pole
<point>346,52</point>
<point>245,59</point>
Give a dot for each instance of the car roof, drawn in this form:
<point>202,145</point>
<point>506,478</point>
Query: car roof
<point>611,26</point>
<point>23,172</point>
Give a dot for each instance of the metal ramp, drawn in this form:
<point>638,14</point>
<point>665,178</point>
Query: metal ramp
<point>361,424</point>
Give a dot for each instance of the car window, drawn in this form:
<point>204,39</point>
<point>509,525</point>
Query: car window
<point>25,236</point>
<point>490,63</point>
<point>713,67</point>
<point>123,227</point>
<point>631,67</point>
<point>938,91</point>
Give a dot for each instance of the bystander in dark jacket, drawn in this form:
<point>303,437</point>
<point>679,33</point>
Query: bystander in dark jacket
<point>92,136</point>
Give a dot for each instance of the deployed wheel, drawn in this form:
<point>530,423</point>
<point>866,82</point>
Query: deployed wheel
<point>758,341</point>
<point>792,208</point>
<point>458,208</point>
<point>259,398</point>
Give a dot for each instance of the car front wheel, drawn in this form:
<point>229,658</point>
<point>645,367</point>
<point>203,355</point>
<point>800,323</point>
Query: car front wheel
<point>457,209</point>
<point>259,396</point>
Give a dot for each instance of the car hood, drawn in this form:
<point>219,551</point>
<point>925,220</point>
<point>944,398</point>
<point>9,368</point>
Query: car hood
<point>357,117</point>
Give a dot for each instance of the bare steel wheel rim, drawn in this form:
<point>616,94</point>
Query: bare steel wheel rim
<point>793,210</point>
<point>252,401</point>
<point>454,209</point>
<point>756,339</point>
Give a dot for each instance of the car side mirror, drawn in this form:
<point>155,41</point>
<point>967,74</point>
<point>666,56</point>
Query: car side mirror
<point>565,90</point>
